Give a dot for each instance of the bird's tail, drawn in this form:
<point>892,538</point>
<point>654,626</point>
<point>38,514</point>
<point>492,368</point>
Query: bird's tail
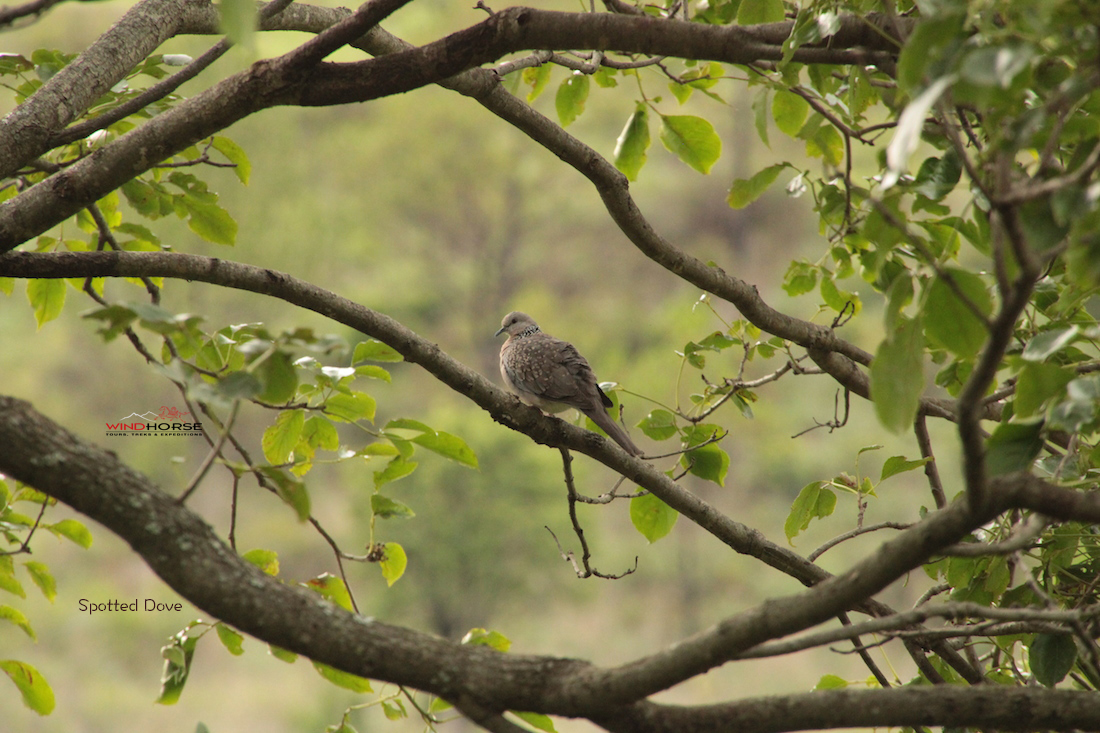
<point>614,431</point>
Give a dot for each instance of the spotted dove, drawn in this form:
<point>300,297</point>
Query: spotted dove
<point>550,374</point>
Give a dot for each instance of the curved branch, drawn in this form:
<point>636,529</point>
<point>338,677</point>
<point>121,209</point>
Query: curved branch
<point>25,132</point>
<point>986,706</point>
<point>501,406</point>
<point>296,79</point>
<point>186,553</point>
<point>828,597</point>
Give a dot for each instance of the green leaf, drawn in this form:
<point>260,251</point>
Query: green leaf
<point>372,350</point>
<point>235,154</point>
<point>909,129</point>
<point>827,144</point>
<point>373,371</point>
<point>571,97</point>
<point>448,446</point>
<point>332,588</point>
<point>282,436</point>
<point>1038,383</point>
<point>397,468</point>
<point>995,66</point>
<point>931,46</point>
<point>652,517</point>
<point>938,177</point>
<point>789,112</point>
<point>393,565</point>
<point>746,190</point>
<point>343,679</point>
<point>708,462</point>
<point>36,692</point>
<point>899,464</point>
<point>239,386</point>
<point>814,501</point>
<point>836,298</point>
<point>491,639</point>
<point>753,12</point>
<point>350,407</point>
<point>47,297</point>
<point>230,639</point>
<point>42,577</point>
<point>801,277</point>
<point>278,377</point>
<point>394,710</point>
<point>949,322</point>
<point>897,375</point>
<point>1052,656</point>
<point>290,490</point>
<point>211,222</point>
<point>319,432</point>
<point>831,682</point>
<point>538,77</point>
<point>177,666</point>
<point>266,560</point>
<point>632,143</point>
<point>282,654</point>
<point>1046,344</point>
<point>386,508</point>
<point>8,581</point>
<point>73,530</point>
<point>760,108</point>
<point>536,720</point>
<point>406,423</point>
<point>810,26</point>
<point>239,21</point>
<point>1013,447</point>
<point>1079,409</point>
<point>692,139</point>
<point>14,616</point>
<point>659,425</point>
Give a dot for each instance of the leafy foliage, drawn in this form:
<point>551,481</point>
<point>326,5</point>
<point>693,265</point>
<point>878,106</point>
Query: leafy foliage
<point>967,241</point>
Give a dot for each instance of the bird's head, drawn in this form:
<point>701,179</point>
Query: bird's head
<point>515,323</point>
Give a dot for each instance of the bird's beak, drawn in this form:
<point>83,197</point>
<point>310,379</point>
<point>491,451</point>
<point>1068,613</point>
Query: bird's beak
<point>499,331</point>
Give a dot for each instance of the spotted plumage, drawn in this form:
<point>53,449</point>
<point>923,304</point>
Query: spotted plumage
<point>550,374</point>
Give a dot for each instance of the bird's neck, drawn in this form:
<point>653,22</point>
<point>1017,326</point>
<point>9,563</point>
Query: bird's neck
<point>528,331</point>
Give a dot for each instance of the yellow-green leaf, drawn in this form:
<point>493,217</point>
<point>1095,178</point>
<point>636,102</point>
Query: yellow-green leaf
<point>36,692</point>
<point>343,679</point>
<point>789,112</point>
<point>632,143</point>
<point>47,297</point>
<point>692,139</point>
<point>897,375</point>
<point>571,97</point>
<point>230,639</point>
<point>746,190</point>
<point>393,566</point>
<point>281,436</point>
<point>652,517</point>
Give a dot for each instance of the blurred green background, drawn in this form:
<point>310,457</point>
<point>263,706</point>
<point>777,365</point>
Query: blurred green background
<point>427,208</point>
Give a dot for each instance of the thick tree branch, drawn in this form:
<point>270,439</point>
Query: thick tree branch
<point>187,555</point>
<point>989,707</point>
<point>501,406</point>
<point>25,133</point>
<point>287,80</point>
<point>831,595</point>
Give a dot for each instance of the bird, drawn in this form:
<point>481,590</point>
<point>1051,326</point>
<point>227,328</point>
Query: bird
<point>550,374</point>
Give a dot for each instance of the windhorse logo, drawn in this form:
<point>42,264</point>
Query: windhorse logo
<point>168,422</point>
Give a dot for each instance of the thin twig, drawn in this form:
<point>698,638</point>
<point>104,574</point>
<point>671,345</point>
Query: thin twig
<point>586,554</point>
<point>812,557</point>
<point>924,442</point>
<point>211,455</point>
